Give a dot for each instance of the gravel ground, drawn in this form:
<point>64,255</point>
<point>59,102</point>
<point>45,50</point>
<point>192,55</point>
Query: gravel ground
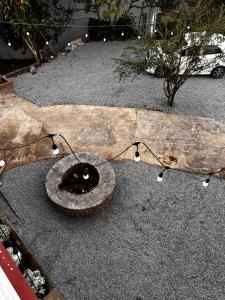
<point>85,76</point>
<point>155,240</point>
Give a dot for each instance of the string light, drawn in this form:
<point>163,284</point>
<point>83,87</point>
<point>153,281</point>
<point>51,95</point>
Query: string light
<point>85,174</point>
<point>139,37</point>
<point>104,40</point>
<point>86,35</point>
<point>9,44</point>
<point>2,163</point>
<point>68,44</point>
<point>55,149</point>
<point>160,176</point>
<point>188,27</point>
<point>171,33</point>
<point>206,182</point>
<point>47,43</point>
<point>28,33</point>
<point>122,33</point>
<point>137,157</point>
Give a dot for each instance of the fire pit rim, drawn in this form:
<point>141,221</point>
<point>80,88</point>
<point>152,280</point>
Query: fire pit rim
<point>86,201</point>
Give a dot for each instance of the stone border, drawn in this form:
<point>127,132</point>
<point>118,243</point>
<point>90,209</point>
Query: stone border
<point>87,204</point>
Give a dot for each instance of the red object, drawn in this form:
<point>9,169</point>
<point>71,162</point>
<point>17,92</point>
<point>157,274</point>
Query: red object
<point>15,276</point>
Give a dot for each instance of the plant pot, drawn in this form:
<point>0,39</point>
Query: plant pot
<point>5,82</point>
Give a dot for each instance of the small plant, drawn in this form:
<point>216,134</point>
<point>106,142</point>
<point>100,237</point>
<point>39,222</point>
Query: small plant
<point>4,233</point>
<point>36,281</point>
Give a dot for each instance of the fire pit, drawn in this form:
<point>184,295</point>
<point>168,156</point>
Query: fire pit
<point>81,188</point>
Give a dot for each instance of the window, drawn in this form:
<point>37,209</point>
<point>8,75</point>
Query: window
<point>191,51</point>
<point>211,49</point>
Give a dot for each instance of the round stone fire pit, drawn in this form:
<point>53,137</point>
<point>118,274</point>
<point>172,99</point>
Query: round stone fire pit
<point>81,189</point>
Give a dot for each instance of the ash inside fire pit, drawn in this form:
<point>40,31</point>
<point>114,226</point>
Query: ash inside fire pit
<point>80,179</point>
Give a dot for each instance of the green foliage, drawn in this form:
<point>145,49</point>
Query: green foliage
<point>167,5</point>
<point>30,13</point>
<point>114,9</point>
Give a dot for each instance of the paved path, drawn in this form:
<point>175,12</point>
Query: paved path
<point>183,142</point>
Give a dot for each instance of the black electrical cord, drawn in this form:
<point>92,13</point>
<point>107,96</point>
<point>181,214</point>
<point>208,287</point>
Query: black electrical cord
<point>51,136</point>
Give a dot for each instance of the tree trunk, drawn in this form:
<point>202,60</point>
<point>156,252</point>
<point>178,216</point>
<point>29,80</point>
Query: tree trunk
<point>171,97</point>
<point>33,50</point>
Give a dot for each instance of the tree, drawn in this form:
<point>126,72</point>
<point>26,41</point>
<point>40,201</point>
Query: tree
<point>167,5</point>
<point>114,9</point>
<point>22,17</point>
<point>177,54</point>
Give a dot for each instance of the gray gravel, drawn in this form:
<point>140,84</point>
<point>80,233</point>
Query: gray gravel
<point>155,241</point>
<point>85,76</point>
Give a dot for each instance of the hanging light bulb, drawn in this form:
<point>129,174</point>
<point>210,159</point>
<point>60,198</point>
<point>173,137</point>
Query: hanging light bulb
<point>139,37</point>
<point>68,44</point>
<point>137,156</point>
<point>85,174</point>
<point>160,177</point>
<point>55,149</point>
<point>86,35</point>
<point>28,33</point>
<point>47,43</point>
<point>2,163</point>
<point>9,44</point>
<point>171,33</point>
<point>122,33</point>
<point>188,27</point>
<point>104,40</point>
<point>155,30</point>
<point>206,182</point>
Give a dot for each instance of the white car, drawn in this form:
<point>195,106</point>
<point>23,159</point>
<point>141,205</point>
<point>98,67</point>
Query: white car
<point>213,54</point>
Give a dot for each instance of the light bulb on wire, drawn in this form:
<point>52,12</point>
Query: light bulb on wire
<point>68,44</point>
<point>104,40</point>
<point>85,174</point>
<point>171,33</point>
<point>55,149</point>
<point>47,43</point>
<point>206,182</point>
<point>139,37</point>
<point>122,33</point>
<point>137,156</point>
<point>86,35</point>
<point>28,33</point>
<point>160,177</point>
<point>9,44</point>
<point>2,163</point>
